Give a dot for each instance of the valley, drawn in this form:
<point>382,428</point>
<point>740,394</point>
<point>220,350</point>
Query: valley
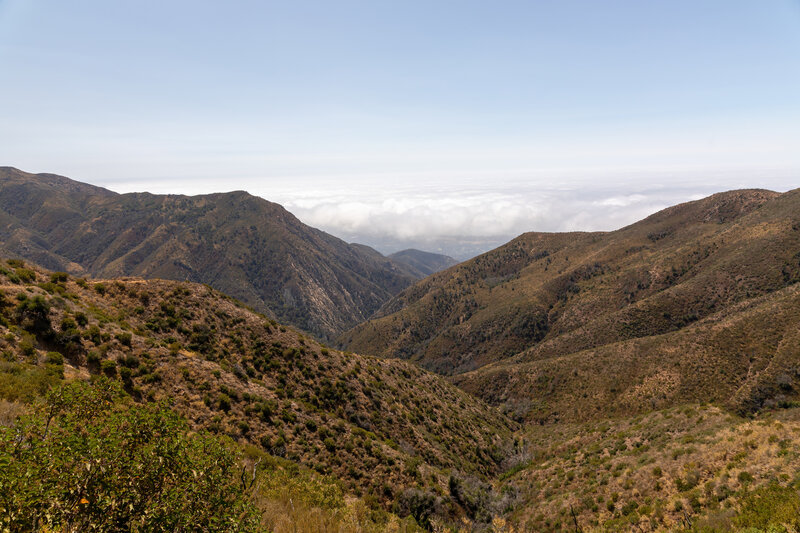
<point>643,379</point>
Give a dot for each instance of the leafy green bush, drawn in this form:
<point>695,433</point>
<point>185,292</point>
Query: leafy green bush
<point>59,277</point>
<point>87,460</point>
<point>54,358</point>
<point>26,275</point>
<point>124,338</point>
<point>771,507</point>
<point>33,314</point>
<point>81,319</point>
<point>422,505</point>
<point>24,382</point>
<point>108,367</point>
<point>224,402</point>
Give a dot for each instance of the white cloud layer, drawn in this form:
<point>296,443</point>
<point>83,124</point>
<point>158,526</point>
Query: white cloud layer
<point>465,215</point>
<point>465,222</point>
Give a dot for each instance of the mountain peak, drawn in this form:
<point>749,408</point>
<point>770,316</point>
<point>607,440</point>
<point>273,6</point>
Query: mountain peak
<point>244,245</point>
<point>717,208</point>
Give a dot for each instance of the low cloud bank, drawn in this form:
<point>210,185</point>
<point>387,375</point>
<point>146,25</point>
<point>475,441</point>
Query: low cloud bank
<point>464,223</point>
<point>466,214</point>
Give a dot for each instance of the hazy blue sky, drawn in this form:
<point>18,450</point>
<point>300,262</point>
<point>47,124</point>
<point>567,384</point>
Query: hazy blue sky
<point>408,120</point>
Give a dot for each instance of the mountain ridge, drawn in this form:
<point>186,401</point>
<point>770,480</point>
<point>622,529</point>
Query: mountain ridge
<point>518,310</point>
<point>422,264</point>
<point>244,245</point>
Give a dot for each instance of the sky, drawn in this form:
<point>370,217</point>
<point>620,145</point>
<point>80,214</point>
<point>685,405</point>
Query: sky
<point>447,125</point>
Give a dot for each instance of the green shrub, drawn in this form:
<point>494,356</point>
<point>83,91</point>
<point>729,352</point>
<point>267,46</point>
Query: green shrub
<point>422,505</point>
<point>54,358</point>
<point>770,508</point>
<point>59,277</point>
<point>87,464</point>
<point>108,367</point>
<point>124,338</point>
<point>27,348</point>
<point>745,478</point>
<point>125,374</point>
<point>33,314</point>
<point>24,382</point>
<point>129,361</point>
<point>26,275</point>
<point>224,402</point>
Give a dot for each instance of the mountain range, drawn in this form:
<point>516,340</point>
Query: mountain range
<point>243,245</point>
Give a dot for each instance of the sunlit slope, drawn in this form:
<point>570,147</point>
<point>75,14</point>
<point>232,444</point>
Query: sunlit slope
<point>379,426</point>
<point>247,247</point>
<point>551,295</point>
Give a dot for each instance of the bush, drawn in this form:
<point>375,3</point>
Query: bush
<point>24,382</point>
<point>59,277</point>
<point>770,508</point>
<point>54,358</point>
<point>33,314</point>
<point>86,464</point>
<point>108,367</point>
<point>124,338</point>
<point>420,504</point>
<point>26,275</point>
<point>125,374</point>
<point>224,402</point>
<point>745,478</point>
<point>129,361</point>
<point>473,495</point>
<point>81,319</point>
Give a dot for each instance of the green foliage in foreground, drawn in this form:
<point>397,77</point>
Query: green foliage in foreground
<point>87,460</point>
<point>770,508</point>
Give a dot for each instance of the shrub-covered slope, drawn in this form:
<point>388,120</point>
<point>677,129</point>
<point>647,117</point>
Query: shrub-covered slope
<point>561,293</point>
<point>745,358</point>
<point>698,301</point>
<point>308,421</point>
<point>386,429</point>
<point>243,245</point>
<point>692,468</point>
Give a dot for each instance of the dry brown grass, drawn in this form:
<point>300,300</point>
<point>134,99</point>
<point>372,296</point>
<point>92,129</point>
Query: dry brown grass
<point>659,470</point>
<point>10,411</point>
